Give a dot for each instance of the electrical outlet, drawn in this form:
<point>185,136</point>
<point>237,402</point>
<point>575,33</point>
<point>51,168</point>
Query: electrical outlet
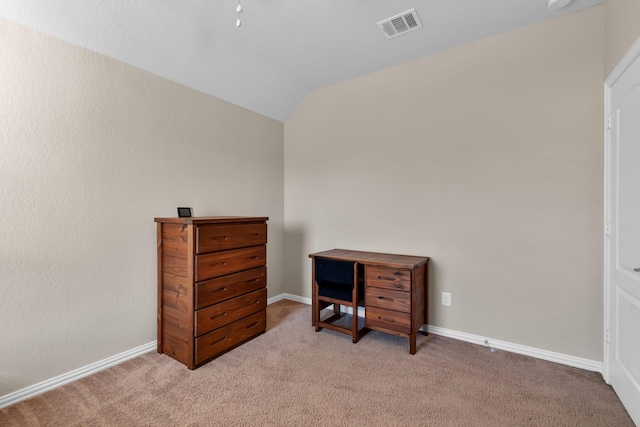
<point>446,299</point>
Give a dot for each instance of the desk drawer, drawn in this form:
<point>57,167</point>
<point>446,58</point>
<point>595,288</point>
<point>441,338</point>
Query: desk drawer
<point>388,278</point>
<point>212,238</point>
<point>388,299</point>
<point>218,315</point>
<point>218,264</point>
<point>387,320</point>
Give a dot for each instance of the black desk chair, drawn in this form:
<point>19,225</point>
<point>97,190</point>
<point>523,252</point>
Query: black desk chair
<point>337,282</point>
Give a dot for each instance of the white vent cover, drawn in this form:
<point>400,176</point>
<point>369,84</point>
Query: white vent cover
<point>400,24</point>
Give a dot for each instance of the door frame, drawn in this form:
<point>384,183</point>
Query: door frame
<point>632,54</point>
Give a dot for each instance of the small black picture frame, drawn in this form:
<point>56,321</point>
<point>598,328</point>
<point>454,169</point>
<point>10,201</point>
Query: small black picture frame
<point>184,212</point>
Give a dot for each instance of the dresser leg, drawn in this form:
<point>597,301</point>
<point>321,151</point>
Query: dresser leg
<point>412,343</point>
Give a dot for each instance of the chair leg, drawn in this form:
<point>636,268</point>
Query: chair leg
<point>318,314</point>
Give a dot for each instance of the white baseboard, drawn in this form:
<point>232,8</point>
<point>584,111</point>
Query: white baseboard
<point>551,356</point>
<point>50,384</point>
<point>290,297</point>
<point>34,390</point>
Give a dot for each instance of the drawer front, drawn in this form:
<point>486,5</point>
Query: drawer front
<point>221,340</point>
<point>227,287</point>
<point>218,264</point>
<point>388,278</point>
<point>219,315</point>
<point>388,299</point>
<point>210,238</point>
<point>387,319</point>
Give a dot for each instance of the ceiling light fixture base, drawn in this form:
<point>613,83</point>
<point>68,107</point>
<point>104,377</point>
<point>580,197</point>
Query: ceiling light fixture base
<point>557,4</point>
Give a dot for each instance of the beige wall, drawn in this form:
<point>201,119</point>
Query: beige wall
<point>622,29</point>
<point>488,158</point>
<point>91,150</point>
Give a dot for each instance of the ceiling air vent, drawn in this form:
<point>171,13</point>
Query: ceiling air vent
<point>400,24</point>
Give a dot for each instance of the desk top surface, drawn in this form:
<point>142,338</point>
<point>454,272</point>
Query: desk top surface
<point>373,258</point>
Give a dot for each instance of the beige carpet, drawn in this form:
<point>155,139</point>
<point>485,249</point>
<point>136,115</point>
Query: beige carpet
<point>293,376</point>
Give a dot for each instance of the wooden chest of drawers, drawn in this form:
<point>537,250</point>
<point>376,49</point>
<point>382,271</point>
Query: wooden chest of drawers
<point>212,279</point>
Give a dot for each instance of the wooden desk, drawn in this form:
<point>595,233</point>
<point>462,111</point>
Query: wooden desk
<point>396,291</point>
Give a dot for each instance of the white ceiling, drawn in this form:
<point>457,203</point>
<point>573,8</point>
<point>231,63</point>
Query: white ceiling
<point>284,48</point>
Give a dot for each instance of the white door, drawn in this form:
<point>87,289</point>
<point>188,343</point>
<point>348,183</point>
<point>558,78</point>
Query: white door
<point>622,361</point>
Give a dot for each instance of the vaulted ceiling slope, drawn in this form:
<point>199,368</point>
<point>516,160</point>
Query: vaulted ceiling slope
<point>284,48</point>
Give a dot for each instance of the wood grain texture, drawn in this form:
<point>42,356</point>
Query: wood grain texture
<point>419,298</point>
<point>218,315</point>
<point>230,236</point>
<point>380,318</point>
<point>176,324</point>
<point>226,287</point>
<point>388,299</point>
<point>217,264</point>
<point>224,339</point>
<point>174,249</point>
<point>388,278</point>
<point>373,258</point>
<point>176,349</point>
<point>176,292</point>
<point>212,220</point>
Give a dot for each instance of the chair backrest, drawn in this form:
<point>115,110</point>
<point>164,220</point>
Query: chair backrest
<point>336,271</point>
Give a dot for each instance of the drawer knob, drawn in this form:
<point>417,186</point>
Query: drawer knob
<point>252,325</point>
<point>218,340</point>
<point>386,319</point>
<point>254,257</point>
<point>219,290</point>
<point>385,298</point>
<point>218,315</point>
